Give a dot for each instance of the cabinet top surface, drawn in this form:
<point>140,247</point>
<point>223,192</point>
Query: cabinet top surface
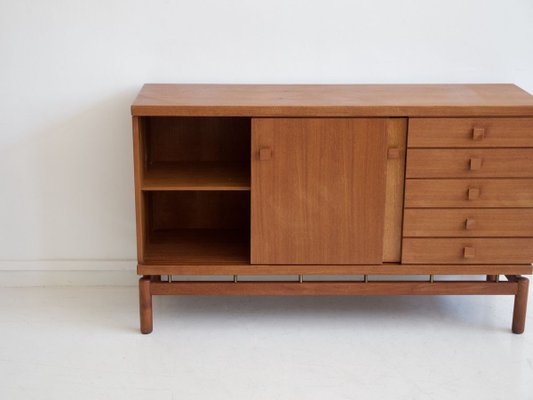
<point>403,100</point>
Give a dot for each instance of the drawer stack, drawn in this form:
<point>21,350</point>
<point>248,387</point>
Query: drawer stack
<point>469,191</point>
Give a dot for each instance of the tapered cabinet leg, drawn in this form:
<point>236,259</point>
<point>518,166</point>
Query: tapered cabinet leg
<point>145,305</point>
<point>520,305</point>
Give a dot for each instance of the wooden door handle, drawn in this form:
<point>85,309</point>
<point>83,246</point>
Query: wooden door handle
<point>475,164</point>
<point>478,133</point>
<point>469,252</point>
<point>470,223</point>
<point>393,153</point>
<point>265,153</point>
<point>473,194</point>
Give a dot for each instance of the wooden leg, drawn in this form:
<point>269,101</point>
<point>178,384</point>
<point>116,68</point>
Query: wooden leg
<point>145,304</point>
<point>491,278</point>
<point>520,305</point>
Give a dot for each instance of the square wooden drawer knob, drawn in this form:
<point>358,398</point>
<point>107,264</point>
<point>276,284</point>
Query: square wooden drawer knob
<point>393,153</point>
<point>475,164</point>
<point>473,194</point>
<point>265,153</point>
<point>478,133</point>
<point>470,223</point>
<point>469,252</point>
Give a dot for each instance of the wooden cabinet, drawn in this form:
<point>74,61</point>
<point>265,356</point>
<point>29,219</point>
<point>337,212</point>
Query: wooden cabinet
<point>235,181</point>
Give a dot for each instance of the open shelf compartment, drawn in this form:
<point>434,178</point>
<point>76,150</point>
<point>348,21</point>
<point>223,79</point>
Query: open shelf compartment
<point>193,184</point>
<point>195,153</point>
<point>197,227</point>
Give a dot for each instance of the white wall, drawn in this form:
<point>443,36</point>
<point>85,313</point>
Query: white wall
<point>69,70</point>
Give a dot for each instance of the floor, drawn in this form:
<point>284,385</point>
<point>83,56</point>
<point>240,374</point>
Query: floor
<point>83,343</point>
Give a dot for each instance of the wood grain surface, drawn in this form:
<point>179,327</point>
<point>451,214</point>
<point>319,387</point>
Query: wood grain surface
<point>467,250</point>
<point>218,175</point>
<point>470,163</point>
<point>468,222</point>
<point>332,288</point>
<point>471,132</point>
<point>396,144</point>
<point>320,198</point>
<point>336,269</point>
<point>332,100</point>
<point>445,193</point>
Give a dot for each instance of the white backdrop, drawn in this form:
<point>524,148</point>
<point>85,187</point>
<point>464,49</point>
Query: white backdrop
<point>69,70</point>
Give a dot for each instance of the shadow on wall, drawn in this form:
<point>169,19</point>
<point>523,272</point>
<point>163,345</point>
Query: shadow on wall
<point>68,187</point>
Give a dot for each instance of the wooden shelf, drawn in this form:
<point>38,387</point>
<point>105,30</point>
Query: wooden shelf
<point>197,176</point>
<point>198,246</point>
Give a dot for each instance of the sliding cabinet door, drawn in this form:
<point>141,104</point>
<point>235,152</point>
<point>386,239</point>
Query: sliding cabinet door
<point>318,190</point>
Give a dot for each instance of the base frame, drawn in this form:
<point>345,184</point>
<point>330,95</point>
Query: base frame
<point>153,285</point>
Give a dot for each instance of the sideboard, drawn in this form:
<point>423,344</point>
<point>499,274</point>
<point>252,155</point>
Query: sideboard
<point>336,188</point>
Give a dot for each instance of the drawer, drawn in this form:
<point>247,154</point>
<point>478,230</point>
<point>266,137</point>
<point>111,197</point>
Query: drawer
<point>468,222</point>
<point>466,163</point>
<point>470,132</point>
<point>468,193</point>
<point>467,251</point>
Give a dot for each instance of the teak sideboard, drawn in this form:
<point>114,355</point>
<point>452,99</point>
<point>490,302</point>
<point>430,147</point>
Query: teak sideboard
<point>348,181</point>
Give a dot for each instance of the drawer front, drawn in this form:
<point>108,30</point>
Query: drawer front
<point>468,193</point>
<point>470,132</point>
<point>470,163</point>
<point>467,251</point>
<point>468,223</point>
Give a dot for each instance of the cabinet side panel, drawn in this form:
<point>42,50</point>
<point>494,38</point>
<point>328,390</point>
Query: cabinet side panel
<point>397,142</point>
<point>138,166</point>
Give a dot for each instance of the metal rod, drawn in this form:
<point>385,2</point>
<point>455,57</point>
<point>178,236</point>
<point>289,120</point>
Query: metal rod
<point>301,278</point>
<point>366,278</point>
<point>235,278</point>
<point>431,278</point>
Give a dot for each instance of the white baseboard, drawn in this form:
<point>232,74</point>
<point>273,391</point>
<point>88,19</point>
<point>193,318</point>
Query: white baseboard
<point>34,273</point>
<point>68,265</point>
